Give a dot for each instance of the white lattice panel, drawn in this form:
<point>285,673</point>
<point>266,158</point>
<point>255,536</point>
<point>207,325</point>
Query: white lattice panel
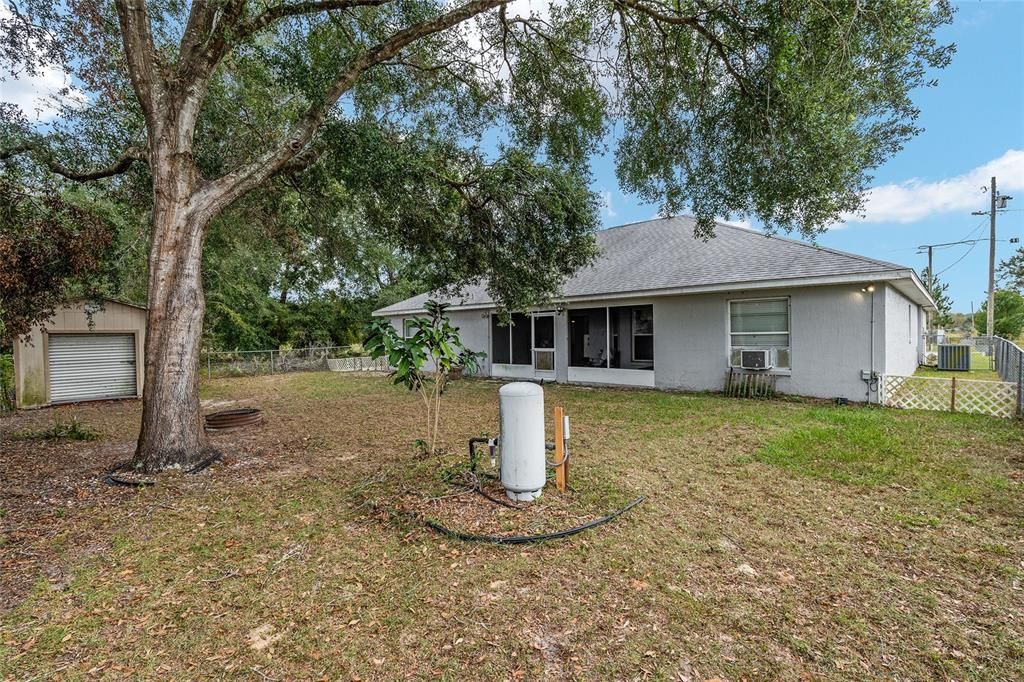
<point>996,398</point>
<point>361,364</point>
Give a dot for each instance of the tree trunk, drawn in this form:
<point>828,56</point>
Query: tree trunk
<point>172,434</point>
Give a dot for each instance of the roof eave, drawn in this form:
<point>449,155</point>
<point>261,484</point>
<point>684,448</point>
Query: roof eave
<point>920,294</point>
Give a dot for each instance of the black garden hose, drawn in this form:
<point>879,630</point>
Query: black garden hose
<point>112,478</point>
<point>527,539</point>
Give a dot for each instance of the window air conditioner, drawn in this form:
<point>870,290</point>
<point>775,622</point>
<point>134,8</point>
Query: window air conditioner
<point>757,359</point>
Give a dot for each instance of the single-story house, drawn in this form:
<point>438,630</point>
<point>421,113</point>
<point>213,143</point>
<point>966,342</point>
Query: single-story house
<point>660,308</point>
<point>87,351</point>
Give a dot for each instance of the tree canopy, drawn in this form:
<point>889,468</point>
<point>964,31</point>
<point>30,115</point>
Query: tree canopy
<point>1009,314</point>
<point>939,291</point>
<point>1011,270</point>
<point>461,132</point>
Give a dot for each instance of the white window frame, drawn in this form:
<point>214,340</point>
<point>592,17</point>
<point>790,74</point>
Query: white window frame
<point>788,332</point>
<point>632,330</point>
<point>405,328</point>
<point>534,349</point>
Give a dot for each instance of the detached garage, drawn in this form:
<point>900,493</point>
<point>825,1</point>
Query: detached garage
<point>86,351</point>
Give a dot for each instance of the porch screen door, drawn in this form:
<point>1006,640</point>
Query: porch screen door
<point>544,342</point>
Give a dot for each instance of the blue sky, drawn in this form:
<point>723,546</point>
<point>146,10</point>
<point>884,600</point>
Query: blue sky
<point>974,117</point>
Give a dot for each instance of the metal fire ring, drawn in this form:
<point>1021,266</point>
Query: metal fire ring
<point>233,419</point>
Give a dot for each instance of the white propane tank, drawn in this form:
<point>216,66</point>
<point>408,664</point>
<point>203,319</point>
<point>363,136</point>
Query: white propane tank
<point>523,469</point>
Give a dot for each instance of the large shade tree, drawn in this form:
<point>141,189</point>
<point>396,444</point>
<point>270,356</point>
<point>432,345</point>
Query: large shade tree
<point>767,108</point>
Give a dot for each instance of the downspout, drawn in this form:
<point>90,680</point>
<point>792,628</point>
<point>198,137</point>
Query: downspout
<point>871,362</point>
<point>872,378</point>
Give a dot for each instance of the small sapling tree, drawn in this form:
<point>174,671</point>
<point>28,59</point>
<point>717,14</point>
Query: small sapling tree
<point>424,360</point>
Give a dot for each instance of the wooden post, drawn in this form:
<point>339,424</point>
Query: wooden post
<point>561,471</point>
<point>952,397</point>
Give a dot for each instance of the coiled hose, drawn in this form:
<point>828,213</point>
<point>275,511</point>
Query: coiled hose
<point>527,539</point>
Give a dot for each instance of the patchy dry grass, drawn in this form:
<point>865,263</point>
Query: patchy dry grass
<point>779,539</point>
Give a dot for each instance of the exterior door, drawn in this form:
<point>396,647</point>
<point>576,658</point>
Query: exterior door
<point>91,366</point>
<point>544,344</point>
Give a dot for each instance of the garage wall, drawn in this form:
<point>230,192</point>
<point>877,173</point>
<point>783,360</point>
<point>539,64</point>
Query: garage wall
<point>30,352</point>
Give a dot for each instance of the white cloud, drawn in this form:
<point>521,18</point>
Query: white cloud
<point>743,222</point>
<point>606,203</point>
<point>914,200</point>
<point>38,96</point>
<point>41,95</point>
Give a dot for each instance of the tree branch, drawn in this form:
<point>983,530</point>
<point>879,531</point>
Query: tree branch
<point>144,68</point>
<point>204,41</point>
<point>223,191</point>
<point>694,22</point>
<point>279,12</point>
<point>123,162</point>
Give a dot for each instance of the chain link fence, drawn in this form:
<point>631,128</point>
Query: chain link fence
<point>1008,360</point>
<point>259,362</point>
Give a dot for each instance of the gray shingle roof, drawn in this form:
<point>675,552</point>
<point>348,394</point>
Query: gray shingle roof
<point>663,254</point>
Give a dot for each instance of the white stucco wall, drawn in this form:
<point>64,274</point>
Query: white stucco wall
<point>902,333</point>
<point>474,330</point>
<point>831,340</point>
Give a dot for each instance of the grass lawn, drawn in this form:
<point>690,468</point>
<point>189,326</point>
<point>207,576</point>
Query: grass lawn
<point>980,370</point>
<point>779,539</point>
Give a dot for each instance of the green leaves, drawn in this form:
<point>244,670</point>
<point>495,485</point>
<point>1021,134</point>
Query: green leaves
<point>518,225</point>
<point>434,341</point>
<point>1008,318</point>
<point>1011,270</point>
<point>939,292</point>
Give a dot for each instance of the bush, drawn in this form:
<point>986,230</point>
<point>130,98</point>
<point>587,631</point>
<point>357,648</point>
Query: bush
<point>62,430</point>
<point>6,382</point>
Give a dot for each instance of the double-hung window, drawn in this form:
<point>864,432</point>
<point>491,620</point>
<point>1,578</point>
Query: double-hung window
<point>757,324</point>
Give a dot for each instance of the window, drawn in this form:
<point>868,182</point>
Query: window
<point>510,344</point>
<point>760,324</point>
<point>408,328</point>
<point>643,334</point>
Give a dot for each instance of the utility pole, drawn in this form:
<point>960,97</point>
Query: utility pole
<point>991,319</point>
<point>931,280</point>
<point>997,201</point>
<point>931,273</point>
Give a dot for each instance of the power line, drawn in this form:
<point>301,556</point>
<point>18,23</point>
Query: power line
<point>971,248</point>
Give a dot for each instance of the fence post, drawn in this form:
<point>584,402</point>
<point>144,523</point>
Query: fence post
<point>952,397</point>
<point>271,362</point>
<point>1020,385</point>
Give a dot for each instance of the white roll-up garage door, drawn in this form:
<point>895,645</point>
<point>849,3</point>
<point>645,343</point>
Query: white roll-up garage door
<point>91,366</point>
